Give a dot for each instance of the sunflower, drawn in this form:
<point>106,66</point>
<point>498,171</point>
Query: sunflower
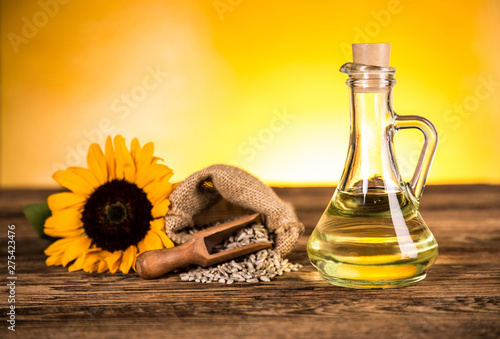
<point>114,211</point>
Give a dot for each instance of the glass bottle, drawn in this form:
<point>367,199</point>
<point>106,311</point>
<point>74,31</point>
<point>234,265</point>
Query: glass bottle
<point>372,235</point>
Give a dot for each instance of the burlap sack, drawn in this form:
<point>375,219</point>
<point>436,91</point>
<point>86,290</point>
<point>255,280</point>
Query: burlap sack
<point>221,192</point>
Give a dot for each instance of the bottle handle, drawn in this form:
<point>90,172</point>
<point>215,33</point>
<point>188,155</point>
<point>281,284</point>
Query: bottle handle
<point>417,182</point>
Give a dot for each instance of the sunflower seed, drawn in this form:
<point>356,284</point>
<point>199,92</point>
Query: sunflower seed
<point>236,265</point>
<point>261,266</point>
<point>236,276</point>
<point>262,255</point>
<point>250,267</point>
<point>247,276</point>
<point>260,234</point>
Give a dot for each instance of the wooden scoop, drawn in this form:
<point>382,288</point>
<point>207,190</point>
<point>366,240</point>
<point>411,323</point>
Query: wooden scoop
<point>154,264</point>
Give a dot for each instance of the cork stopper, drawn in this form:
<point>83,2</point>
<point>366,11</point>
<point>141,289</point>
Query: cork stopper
<point>377,54</point>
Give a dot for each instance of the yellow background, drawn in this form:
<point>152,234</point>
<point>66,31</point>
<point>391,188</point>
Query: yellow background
<point>247,82</point>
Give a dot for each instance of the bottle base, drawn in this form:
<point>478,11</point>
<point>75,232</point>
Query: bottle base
<point>370,284</point>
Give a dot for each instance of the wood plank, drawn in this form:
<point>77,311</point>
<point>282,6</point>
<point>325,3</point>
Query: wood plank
<point>460,298</point>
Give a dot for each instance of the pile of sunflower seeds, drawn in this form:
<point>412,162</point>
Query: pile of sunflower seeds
<point>252,268</point>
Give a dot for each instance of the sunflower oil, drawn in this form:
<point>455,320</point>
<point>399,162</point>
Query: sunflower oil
<point>372,240</point>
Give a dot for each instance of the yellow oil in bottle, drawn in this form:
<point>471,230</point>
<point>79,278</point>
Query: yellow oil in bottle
<point>372,240</point>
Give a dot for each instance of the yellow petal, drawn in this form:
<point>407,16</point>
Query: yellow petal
<point>74,182</point>
<point>74,267</point>
<point>75,249</point>
<point>59,246</point>
<point>51,232</point>
<point>103,266</point>
<point>167,243</point>
<point>157,224</point>
<point>61,201</point>
<point>153,173</point>
<point>141,246</point>
<point>160,209</point>
<point>91,267</point>
<point>135,150</point>
<point>166,171</point>
<point>88,261</point>
<point>64,224</point>
<point>96,163</point>
<point>125,167</point>
<point>128,259</point>
<point>86,174</point>
<point>67,218</point>
<point>158,191</point>
<point>63,251</point>
<point>156,159</point>
<point>152,241</point>
<point>109,155</point>
<point>142,162</point>
<point>145,157</point>
<point>78,263</point>
<point>53,260</point>
<point>114,260</point>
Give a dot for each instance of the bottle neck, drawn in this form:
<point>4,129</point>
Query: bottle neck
<point>371,165</point>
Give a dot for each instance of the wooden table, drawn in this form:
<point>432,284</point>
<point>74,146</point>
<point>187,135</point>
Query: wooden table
<point>460,298</point>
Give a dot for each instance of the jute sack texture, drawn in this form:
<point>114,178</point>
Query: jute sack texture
<point>222,192</point>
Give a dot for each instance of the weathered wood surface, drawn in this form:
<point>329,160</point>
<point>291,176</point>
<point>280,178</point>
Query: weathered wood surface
<point>460,298</point>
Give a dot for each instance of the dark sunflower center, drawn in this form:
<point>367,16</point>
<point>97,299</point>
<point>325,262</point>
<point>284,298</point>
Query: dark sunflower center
<point>117,215</point>
<point>116,212</point>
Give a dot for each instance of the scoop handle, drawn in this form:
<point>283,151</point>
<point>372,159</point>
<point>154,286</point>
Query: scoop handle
<point>154,264</point>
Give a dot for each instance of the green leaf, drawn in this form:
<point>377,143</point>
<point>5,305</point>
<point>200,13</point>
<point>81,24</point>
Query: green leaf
<point>36,215</point>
